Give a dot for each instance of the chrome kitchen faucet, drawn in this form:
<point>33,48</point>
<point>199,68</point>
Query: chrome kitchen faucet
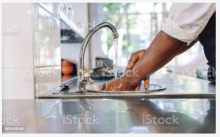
<point>84,77</point>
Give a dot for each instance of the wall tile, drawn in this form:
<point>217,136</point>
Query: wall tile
<point>47,78</point>
<point>17,46</point>
<point>56,48</point>
<point>57,77</point>
<point>18,83</point>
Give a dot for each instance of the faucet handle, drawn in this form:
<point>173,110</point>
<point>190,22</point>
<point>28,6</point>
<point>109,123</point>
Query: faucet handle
<point>91,81</point>
<point>91,71</point>
<point>79,72</point>
<point>86,75</point>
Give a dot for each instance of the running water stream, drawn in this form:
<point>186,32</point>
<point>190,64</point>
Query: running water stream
<point>116,58</point>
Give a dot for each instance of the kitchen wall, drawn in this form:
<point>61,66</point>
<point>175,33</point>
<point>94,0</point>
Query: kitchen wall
<point>17,51</point>
<point>70,51</point>
<point>95,16</point>
<point>46,38</point>
<point>46,35</point>
<point>31,50</point>
<point>31,47</point>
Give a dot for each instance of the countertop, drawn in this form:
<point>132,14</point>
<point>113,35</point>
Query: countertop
<point>177,86</point>
<point>71,112</point>
<point>109,116</point>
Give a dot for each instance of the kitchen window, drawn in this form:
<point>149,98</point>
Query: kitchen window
<point>137,25</point>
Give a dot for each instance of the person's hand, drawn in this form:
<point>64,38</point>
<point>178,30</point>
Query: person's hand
<point>142,65</point>
<point>117,84</point>
<point>122,84</point>
<point>133,59</point>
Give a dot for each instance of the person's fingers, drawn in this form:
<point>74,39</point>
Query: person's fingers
<point>134,57</point>
<point>147,83</point>
<point>103,86</point>
<point>138,87</point>
<point>132,61</point>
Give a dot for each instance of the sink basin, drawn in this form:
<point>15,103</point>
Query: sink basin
<point>176,87</point>
<point>96,88</point>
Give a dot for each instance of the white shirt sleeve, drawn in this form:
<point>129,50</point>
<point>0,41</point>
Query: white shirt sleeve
<point>187,20</point>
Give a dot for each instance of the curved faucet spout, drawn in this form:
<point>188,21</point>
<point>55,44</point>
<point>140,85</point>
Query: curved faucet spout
<point>83,78</point>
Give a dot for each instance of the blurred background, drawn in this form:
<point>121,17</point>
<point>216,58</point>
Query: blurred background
<point>137,25</point>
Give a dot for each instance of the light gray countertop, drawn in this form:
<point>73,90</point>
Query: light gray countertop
<point>67,111</point>
<point>110,115</point>
<point>177,86</point>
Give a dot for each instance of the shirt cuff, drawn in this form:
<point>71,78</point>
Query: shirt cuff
<point>172,28</point>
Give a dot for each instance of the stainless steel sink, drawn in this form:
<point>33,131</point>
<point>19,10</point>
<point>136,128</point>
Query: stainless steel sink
<point>96,88</point>
<point>176,87</point>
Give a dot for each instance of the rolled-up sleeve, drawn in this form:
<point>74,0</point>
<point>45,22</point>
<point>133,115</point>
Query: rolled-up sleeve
<point>187,20</point>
